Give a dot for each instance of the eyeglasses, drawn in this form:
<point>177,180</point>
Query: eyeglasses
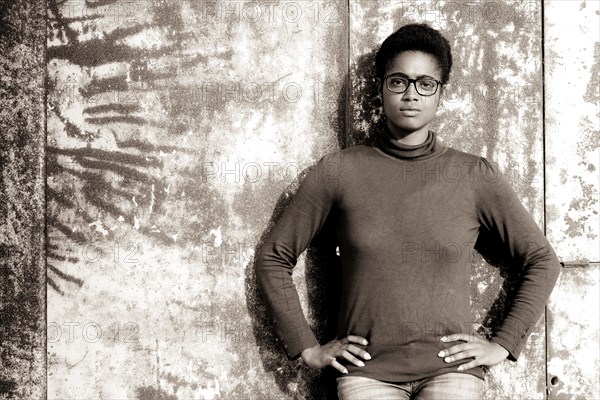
<point>399,84</point>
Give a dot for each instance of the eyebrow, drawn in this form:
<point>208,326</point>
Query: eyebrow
<point>404,75</point>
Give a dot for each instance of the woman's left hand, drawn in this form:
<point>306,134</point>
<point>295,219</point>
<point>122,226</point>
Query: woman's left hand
<point>485,352</point>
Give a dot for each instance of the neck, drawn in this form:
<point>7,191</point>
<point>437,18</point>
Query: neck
<point>411,138</point>
<point>422,150</point>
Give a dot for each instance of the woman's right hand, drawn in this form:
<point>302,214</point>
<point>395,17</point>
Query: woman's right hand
<point>322,356</point>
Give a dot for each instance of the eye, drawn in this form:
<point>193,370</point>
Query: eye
<point>427,83</point>
<point>397,81</point>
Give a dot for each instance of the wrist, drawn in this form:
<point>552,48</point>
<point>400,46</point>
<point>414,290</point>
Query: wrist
<point>307,353</point>
<point>501,349</point>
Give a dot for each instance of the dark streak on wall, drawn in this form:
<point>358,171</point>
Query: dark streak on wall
<point>22,238</point>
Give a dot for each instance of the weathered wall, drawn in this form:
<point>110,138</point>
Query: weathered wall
<point>22,263</point>
<point>572,195</point>
<point>174,129</point>
<point>177,133</point>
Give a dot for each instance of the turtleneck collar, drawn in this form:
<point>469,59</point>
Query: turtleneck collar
<point>429,148</point>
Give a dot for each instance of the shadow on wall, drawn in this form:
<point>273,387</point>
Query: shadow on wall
<point>125,180</point>
<point>360,99</point>
<point>323,278</point>
<point>489,246</point>
<point>323,269</point>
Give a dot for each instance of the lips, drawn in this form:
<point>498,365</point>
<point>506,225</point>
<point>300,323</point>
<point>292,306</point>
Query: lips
<point>410,112</point>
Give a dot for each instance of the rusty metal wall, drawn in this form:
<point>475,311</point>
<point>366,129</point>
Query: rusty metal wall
<point>177,132</point>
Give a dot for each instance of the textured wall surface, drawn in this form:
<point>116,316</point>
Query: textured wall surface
<point>175,128</point>
<point>177,132</point>
<point>573,127</point>
<point>22,269</point>
<point>572,195</point>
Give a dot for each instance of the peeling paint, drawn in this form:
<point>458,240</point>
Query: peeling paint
<point>573,335</point>
<point>218,236</point>
<point>572,186</point>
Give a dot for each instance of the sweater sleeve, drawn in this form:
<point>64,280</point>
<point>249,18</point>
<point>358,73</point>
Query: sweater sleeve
<point>291,235</point>
<point>499,209</point>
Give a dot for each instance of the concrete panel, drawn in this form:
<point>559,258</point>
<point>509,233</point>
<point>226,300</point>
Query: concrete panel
<point>22,219</point>
<point>573,338</point>
<point>174,130</point>
<point>572,60</point>
<point>493,107</point>
<point>573,127</point>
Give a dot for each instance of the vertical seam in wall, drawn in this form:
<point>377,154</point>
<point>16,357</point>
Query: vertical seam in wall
<point>547,391</point>
<point>543,119</point>
<point>348,82</point>
<point>45,163</point>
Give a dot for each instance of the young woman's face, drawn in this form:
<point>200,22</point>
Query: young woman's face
<point>410,112</point>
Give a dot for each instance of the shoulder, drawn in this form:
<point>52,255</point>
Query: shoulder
<point>336,159</point>
<point>456,154</point>
<point>361,150</point>
<point>478,166</point>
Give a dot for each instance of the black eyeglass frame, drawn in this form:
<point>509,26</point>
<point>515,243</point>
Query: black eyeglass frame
<point>414,82</point>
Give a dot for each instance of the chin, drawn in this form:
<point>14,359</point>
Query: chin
<point>408,128</point>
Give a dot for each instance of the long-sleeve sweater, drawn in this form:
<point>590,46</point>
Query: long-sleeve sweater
<point>406,219</point>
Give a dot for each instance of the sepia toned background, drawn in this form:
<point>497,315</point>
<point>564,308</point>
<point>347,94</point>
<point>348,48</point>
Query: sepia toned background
<point>149,146</point>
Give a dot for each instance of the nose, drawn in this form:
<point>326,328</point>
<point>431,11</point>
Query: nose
<point>411,92</point>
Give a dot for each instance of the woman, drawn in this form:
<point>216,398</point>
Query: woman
<point>407,212</point>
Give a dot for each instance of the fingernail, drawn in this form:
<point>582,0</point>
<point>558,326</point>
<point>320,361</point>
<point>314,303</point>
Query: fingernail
<point>361,364</point>
<point>365,342</point>
<point>345,371</point>
<point>447,359</point>
<point>460,368</point>
<point>367,357</point>
<point>441,354</point>
<point>444,338</point>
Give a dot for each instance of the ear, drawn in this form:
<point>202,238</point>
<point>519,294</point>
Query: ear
<point>378,83</point>
<point>441,93</point>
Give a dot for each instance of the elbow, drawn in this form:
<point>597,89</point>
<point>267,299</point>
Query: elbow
<point>544,258</point>
<point>554,269</point>
<point>272,259</point>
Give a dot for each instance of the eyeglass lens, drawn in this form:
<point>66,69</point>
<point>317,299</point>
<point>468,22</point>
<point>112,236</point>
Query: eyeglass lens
<point>425,87</point>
